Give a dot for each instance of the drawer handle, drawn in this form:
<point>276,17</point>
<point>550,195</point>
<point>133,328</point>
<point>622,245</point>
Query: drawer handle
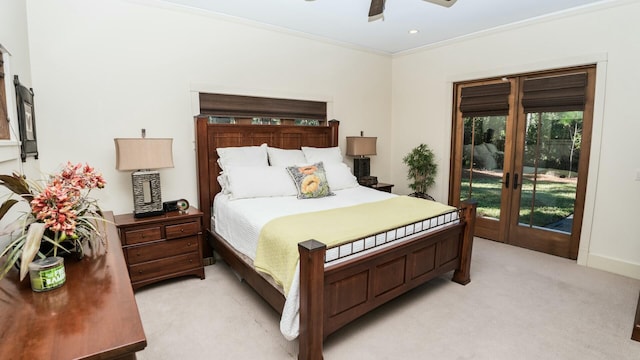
<point>190,260</point>
<point>188,244</point>
<point>139,271</point>
<point>181,229</point>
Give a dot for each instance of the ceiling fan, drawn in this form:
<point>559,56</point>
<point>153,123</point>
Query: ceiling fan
<point>377,7</point>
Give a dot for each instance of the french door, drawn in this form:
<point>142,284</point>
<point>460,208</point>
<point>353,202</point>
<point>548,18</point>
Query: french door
<point>521,149</point>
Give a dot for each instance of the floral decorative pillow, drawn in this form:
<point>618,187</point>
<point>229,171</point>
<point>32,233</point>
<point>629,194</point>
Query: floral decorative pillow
<point>310,180</point>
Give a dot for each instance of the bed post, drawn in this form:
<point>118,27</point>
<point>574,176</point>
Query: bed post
<point>311,299</point>
<point>334,125</point>
<point>462,274</point>
<point>204,190</point>
<point>202,163</point>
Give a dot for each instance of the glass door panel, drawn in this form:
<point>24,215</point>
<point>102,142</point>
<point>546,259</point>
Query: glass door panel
<point>483,163</point>
<point>550,170</point>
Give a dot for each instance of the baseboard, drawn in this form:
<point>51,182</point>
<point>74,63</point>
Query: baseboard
<point>615,266</point>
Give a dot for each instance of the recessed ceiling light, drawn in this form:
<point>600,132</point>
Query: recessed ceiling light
<point>414,31</point>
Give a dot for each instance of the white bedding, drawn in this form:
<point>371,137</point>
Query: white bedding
<point>239,222</point>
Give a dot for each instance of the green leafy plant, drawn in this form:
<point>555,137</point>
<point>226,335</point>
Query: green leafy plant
<point>62,218</point>
<point>422,169</point>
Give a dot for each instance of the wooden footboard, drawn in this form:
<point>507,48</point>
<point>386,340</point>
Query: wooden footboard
<point>331,298</point>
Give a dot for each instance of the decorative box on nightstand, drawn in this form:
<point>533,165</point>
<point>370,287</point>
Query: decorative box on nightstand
<point>382,187</point>
<point>162,247</point>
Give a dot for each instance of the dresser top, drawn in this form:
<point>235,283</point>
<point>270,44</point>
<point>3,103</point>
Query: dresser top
<point>93,315</point>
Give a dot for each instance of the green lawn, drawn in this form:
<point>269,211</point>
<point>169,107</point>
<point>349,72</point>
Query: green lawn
<point>554,200</point>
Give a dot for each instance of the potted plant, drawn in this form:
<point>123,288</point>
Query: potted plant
<point>422,170</point>
<point>62,217</point>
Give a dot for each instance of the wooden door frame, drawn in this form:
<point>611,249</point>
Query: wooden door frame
<point>483,226</point>
<point>501,234</point>
<point>569,250</point>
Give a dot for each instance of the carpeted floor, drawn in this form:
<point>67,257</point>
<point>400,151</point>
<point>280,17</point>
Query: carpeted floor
<point>520,304</point>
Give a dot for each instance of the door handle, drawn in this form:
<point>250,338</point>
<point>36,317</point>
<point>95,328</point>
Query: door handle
<point>506,181</point>
<point>515,181</point>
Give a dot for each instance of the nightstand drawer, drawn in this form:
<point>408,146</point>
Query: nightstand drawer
<point>161,249</point>
<point>184,229</point>
<point>152,269</point>
<point>142,235</point>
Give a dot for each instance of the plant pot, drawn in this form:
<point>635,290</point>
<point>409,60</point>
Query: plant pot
<point>71,252</point>
<point>422,196</point>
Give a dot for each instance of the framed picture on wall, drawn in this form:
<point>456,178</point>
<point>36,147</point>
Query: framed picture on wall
<point>26,120</point>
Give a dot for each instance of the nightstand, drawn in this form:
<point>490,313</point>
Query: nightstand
<point>161,247</point>
<point>382,187</point>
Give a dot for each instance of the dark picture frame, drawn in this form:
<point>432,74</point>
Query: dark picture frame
<point>26,120</point>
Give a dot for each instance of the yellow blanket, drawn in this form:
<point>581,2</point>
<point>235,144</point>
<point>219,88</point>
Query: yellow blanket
<point>277,252</point>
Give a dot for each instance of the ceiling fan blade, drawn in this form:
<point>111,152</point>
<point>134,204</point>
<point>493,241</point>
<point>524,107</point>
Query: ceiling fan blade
<point>445,3</point>
<point>376,10</point>
<point>377,7</point>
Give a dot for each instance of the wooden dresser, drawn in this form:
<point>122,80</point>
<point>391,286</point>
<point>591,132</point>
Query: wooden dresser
<point>94,315</point>
<point>162,247</point>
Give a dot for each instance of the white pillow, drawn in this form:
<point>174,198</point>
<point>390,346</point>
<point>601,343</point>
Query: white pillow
<point>259,181</point>
<point>285,157</point>
<point>224,183</point>
<point>330,155</point>
<point>339,176</point>
<point>243,156</point>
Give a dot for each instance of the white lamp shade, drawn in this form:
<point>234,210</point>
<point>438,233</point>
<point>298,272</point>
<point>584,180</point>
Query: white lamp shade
<point>143,153</point>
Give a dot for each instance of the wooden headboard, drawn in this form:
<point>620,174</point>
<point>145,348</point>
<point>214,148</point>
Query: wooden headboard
<point>209,137</point>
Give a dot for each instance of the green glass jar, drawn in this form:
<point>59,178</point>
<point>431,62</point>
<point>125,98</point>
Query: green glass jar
<point>47,274</point>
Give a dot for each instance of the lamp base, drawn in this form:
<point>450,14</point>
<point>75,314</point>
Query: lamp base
<point>147,200</point>
<point>361,167</point>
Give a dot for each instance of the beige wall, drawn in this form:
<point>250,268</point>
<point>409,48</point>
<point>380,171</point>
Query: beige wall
<point>14,37</point>
<point>14,41</point>
<point>106,69</point>
<point>422,107</point>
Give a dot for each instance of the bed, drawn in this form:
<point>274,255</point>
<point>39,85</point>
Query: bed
<point>331,294</point>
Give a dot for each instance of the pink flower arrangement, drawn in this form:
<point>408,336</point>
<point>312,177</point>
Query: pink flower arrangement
<point>62,200</point>
<point>63,216</point>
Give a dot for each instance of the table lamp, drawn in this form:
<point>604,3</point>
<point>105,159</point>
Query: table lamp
<point>360,147</point>
<point>144,156</point>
